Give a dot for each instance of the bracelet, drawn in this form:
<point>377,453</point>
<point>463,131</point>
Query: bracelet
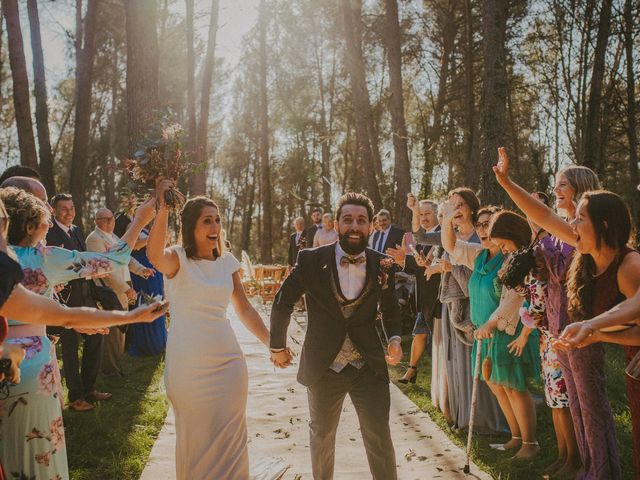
<point>277,350</point>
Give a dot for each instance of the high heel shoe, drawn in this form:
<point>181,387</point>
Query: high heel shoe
<point>404,381</point>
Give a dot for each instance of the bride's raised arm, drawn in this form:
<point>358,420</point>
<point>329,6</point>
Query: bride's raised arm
<point>164,260</point>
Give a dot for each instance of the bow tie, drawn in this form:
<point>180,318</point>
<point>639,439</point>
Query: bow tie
<point>345,260</point>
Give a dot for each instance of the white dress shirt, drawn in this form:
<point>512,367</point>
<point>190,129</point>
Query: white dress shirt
<point>352,276</point>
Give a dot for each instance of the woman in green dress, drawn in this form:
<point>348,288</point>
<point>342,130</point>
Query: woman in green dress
<point>510,347</point>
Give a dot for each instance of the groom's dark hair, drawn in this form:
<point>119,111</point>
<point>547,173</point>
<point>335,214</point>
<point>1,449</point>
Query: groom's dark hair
<point>352,198</point>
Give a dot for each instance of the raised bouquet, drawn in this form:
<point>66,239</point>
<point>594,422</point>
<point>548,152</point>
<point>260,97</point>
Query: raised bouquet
<point>160,155</point>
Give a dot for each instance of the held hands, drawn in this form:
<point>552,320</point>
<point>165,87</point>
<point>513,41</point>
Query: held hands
<point>501,170</point>
<point>394,351</point>
<point>282,358</point>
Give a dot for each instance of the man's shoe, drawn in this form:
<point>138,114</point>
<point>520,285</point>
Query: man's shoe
<point>81,405</point>
<point>100,395</point>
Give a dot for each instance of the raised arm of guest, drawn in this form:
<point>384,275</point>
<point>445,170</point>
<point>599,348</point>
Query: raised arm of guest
<point>535,210</point>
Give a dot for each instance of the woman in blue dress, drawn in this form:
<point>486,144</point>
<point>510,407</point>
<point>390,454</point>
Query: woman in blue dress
<point>147,338</point>
<point>32,443</point>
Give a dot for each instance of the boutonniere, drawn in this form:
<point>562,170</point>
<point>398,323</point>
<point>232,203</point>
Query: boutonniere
<point>386,265</point>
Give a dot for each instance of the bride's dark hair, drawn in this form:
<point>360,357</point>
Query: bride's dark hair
<point>188,219</point>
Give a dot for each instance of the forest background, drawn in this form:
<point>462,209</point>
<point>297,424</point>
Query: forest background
<point>379,96</point>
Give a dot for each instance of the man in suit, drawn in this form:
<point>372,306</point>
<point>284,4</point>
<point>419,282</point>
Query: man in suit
<point>81,379</point>
<point>344,283</point>
<point>387,235</point>
<point>316,219</point>
<point>424,219</point>
<point>102,239</point>
<point>297,240</point>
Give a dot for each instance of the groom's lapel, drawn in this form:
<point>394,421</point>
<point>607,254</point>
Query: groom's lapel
<point>328,278</point>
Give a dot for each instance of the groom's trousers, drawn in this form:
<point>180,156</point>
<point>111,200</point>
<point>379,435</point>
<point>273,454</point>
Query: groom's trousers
<point>370,396</point>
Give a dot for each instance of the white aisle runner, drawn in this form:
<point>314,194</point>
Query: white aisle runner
<point>277,419</point>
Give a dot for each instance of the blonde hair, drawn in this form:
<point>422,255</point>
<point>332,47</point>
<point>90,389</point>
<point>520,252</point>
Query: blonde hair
<point>582,179</point>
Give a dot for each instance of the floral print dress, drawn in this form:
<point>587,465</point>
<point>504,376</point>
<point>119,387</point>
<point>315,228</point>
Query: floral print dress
<point>32,444</point>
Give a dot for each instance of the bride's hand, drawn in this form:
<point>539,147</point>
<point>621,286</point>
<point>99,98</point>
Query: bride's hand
<point>162,186</point>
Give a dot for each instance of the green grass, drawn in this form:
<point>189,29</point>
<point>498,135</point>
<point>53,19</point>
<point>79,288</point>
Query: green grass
<point>498,464</point>
<point>114,440</point>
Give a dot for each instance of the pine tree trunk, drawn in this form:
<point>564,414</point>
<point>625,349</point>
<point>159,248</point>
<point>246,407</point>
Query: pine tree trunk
<point>199,178</point>
<point>632,124</point>
<point>84,81</point>
<point>21,100</point>
<point>402,167</point>
<point>592,135</point>
<point>494,98</point>
<point>42,110</point>
<point>266,237</point>
<point>470,131</point>
<point>191,82</point>
<point>142,68</point>
<point>360,97</point>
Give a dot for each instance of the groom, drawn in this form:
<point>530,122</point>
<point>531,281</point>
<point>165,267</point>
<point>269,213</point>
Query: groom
<point>343,283</point>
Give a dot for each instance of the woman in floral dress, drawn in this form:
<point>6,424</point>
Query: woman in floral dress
<point>32,441</point>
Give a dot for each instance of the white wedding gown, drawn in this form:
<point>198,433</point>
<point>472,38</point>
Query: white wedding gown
<point>206,373</point>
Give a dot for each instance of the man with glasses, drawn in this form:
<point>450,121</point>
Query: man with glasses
<point>81,379</point>
<point>100,240</point>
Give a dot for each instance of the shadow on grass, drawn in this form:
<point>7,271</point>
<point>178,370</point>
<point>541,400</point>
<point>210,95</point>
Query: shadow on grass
<point>113,441</point>
<point>499,464</point>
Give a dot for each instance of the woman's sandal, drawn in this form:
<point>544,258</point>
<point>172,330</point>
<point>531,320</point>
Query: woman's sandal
<point>404,381</point>
<point>501,446</point>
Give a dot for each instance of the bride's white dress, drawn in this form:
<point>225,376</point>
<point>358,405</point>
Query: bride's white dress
<point>206,373</point>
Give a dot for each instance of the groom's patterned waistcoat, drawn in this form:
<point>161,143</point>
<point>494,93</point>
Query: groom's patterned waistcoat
<point>332,319</point>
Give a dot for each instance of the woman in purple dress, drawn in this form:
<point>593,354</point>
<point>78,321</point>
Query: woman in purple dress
<point>586,374</point>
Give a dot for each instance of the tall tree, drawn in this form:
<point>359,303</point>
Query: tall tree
<point>84,84</point>
<point>199,180</point>
<point>632,124</point>
<point>265,166</point>
<point>142,67</point>
<point>402,167</point>
<point>494,94</point>
<point>191,77</point>
<point>592,135</point>
<point>21,99</point>
<point>351,12</point>
<point>42,109</point>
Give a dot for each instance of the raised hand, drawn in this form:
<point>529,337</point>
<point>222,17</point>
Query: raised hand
<point>448,211</point>
<point>146,211</point>
<point>397,254</point>
<point>501,169</point>
<point>412,201</point>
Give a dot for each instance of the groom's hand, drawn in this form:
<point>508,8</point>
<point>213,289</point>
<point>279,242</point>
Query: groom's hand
<point>395,351</point>
<point>282,358</point>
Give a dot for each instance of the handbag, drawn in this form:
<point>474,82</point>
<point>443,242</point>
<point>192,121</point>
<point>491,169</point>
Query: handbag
<point>487,364</point>
<point>105,298</point>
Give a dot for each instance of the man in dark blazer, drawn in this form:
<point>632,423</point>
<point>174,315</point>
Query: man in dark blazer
<point>344,283</point>
<point>297,240</point>
<point>387,235</point>
<point>80,380</point>
<point>316,224</point>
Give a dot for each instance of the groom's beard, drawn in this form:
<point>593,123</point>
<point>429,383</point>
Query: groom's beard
<point>349,246</point>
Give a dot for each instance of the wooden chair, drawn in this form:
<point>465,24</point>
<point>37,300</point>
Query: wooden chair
<point>250,283</point>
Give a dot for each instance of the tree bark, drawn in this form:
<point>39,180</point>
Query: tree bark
<point>402,167</point>
<point>470,130</point>
<point>191,82</point>
<point>199,178</point>
<point>351,10</point>
<point>84,80</point>
<point>494,98</point>
<point>265,167</point>
<point>592,141</point>
<point>632,124</point>
<point>142,68</point>
<point>42,110</point>
<point>21,100</point>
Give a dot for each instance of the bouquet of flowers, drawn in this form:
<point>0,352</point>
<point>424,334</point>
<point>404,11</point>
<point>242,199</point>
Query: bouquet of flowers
<point>161,155</point>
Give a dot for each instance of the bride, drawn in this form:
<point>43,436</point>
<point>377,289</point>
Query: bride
<point>206,374</point>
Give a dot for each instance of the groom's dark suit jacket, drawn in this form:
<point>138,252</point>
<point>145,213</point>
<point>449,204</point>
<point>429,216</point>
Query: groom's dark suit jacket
<point>315,275</point>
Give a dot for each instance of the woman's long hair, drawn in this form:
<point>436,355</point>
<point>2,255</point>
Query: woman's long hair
<point>611,221</point>
<point>24,210</point>
<point>582,180</point>
<point>189,218</point>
